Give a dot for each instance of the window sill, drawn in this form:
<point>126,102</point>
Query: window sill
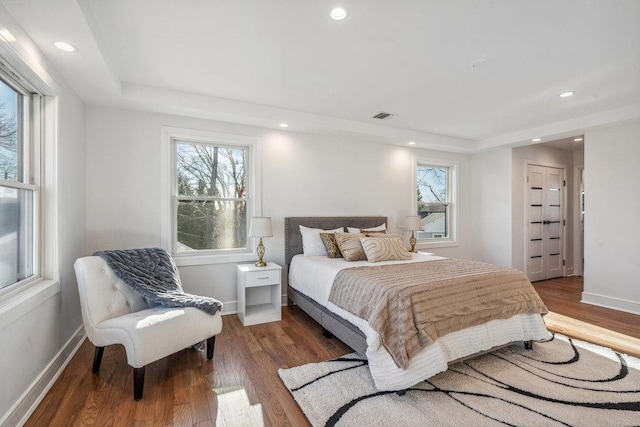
<point>438,244</point>
<point>19,302</point>
<point>187,260</point>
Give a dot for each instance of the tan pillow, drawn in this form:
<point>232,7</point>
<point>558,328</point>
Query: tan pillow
<point>380,229</point>
<point>387,249</point>
<point>381,235</point>
<point>376,230</point>
<point>350,247</point>
<point>329,240</point>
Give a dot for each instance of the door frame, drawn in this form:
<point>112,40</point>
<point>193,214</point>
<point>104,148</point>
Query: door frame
<point>578,182</point>
<point>528,163</point>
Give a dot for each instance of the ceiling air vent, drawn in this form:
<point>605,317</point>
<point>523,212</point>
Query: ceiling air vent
<point>382,116</point>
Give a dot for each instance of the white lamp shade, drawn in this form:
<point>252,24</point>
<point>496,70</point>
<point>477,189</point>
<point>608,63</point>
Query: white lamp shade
<point>260,227</point>
<point>413,223</point>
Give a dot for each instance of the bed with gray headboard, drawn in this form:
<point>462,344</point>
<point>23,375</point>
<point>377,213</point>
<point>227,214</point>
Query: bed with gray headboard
<point>331,323</point>
<point>435,357</point>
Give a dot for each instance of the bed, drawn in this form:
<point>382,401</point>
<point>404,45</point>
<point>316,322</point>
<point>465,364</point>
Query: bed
<point>311,279</point>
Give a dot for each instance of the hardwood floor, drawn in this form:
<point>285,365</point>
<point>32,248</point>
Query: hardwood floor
<point>611,328</point>
<point>241,384</point>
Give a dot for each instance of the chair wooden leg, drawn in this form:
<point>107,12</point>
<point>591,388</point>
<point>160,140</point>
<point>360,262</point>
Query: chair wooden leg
<point>211,342</point>
<point>138,382</point>
<point>97,359</point>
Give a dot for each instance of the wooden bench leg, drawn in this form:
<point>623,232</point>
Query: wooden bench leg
<point>97,359</point>
<point>211,342</point>
<point>138,382</point>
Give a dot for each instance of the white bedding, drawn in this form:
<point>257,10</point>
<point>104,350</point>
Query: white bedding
<point>314,275</point>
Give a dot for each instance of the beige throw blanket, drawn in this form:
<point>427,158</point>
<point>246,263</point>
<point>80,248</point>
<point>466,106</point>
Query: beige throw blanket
<point>412,305</point>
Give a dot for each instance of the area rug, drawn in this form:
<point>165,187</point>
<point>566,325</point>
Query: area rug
<point>560,382</point>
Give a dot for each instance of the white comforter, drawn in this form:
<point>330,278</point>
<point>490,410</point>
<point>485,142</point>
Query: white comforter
<point>314,275</point>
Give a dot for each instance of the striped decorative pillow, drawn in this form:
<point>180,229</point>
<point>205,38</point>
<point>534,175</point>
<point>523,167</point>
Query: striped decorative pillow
<point>329,240</point>
<point>386,249</point>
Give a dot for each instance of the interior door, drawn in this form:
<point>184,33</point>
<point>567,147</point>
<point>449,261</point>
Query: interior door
<point>545,222</point>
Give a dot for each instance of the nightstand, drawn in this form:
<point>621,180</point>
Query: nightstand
<point>259,293</point>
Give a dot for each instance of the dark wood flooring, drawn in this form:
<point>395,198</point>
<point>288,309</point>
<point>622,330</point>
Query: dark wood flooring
<point>240,386</point>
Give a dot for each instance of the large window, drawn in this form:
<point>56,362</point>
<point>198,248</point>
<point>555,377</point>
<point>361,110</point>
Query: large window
<point>18,182</point>
<point>211,195</point>
<point>435,200</point>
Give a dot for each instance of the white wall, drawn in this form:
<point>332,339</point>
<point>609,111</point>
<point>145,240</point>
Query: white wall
<point>612,229</point>
<point>39,333</point>
<point>301,175</point>
<point>491,202</point>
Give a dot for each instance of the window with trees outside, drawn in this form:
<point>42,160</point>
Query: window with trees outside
<point>19,203</point>
<point>435,190</point>
<point>211,197</point>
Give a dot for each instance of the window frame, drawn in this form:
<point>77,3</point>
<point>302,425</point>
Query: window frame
<point>170,136</point>
<point>29,176</point>
<point>20,297</point>
<point>452,200</point>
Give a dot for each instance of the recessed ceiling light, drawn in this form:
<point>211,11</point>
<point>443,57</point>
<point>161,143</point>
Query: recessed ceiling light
<point>411,143</point>
<point>566,94</point>
<point>6,34</point>
<point>536,140</point>
<point>284,125</point>
<point>479,63</point>
<point>338,13</point>
<point>577,139</point>
<point>65,46</point>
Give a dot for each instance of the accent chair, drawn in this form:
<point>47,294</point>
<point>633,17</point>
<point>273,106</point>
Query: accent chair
<point>113,313</point>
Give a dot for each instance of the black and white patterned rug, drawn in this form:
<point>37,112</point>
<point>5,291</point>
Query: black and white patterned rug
<point>560,382</point>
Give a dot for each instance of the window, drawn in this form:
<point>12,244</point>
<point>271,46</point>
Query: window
<point>19,179</point>
<point>435,201</point>
<point>211,196</point>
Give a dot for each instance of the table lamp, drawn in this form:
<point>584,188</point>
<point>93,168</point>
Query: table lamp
<point>413,223</point>
<point>260,227</point>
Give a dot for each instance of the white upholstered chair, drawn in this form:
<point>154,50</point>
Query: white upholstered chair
<point>113,313</point>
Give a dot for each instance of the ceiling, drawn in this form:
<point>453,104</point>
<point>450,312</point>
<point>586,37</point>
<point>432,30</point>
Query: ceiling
<point>455,75</point>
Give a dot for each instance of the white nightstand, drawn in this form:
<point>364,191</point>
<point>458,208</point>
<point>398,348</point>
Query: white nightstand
<point>259,293</point>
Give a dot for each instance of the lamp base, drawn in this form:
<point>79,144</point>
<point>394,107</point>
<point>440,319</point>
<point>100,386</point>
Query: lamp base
<point>260,251</point>
<point>412,241</point>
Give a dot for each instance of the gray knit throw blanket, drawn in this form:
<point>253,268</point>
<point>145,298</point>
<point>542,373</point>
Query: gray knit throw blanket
<point>153,274</point>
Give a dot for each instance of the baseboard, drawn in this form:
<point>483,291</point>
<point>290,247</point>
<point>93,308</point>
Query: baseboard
<point>20,412</point>
<point>230,307</point>
<point>611,302</point>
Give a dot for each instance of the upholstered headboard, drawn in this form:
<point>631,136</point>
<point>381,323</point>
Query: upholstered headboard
<point>293,238</point>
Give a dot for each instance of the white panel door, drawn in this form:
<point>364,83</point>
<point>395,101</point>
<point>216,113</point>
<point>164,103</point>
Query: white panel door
<point>545,222</point>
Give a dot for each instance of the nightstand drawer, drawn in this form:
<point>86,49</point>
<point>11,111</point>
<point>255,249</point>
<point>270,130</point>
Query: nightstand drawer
<point>261,278</point>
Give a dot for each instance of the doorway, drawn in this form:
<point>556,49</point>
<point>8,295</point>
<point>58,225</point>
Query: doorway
<point>545,200</point>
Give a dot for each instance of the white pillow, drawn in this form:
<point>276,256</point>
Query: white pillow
<point>312,243</point>
<point>355,230</point>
